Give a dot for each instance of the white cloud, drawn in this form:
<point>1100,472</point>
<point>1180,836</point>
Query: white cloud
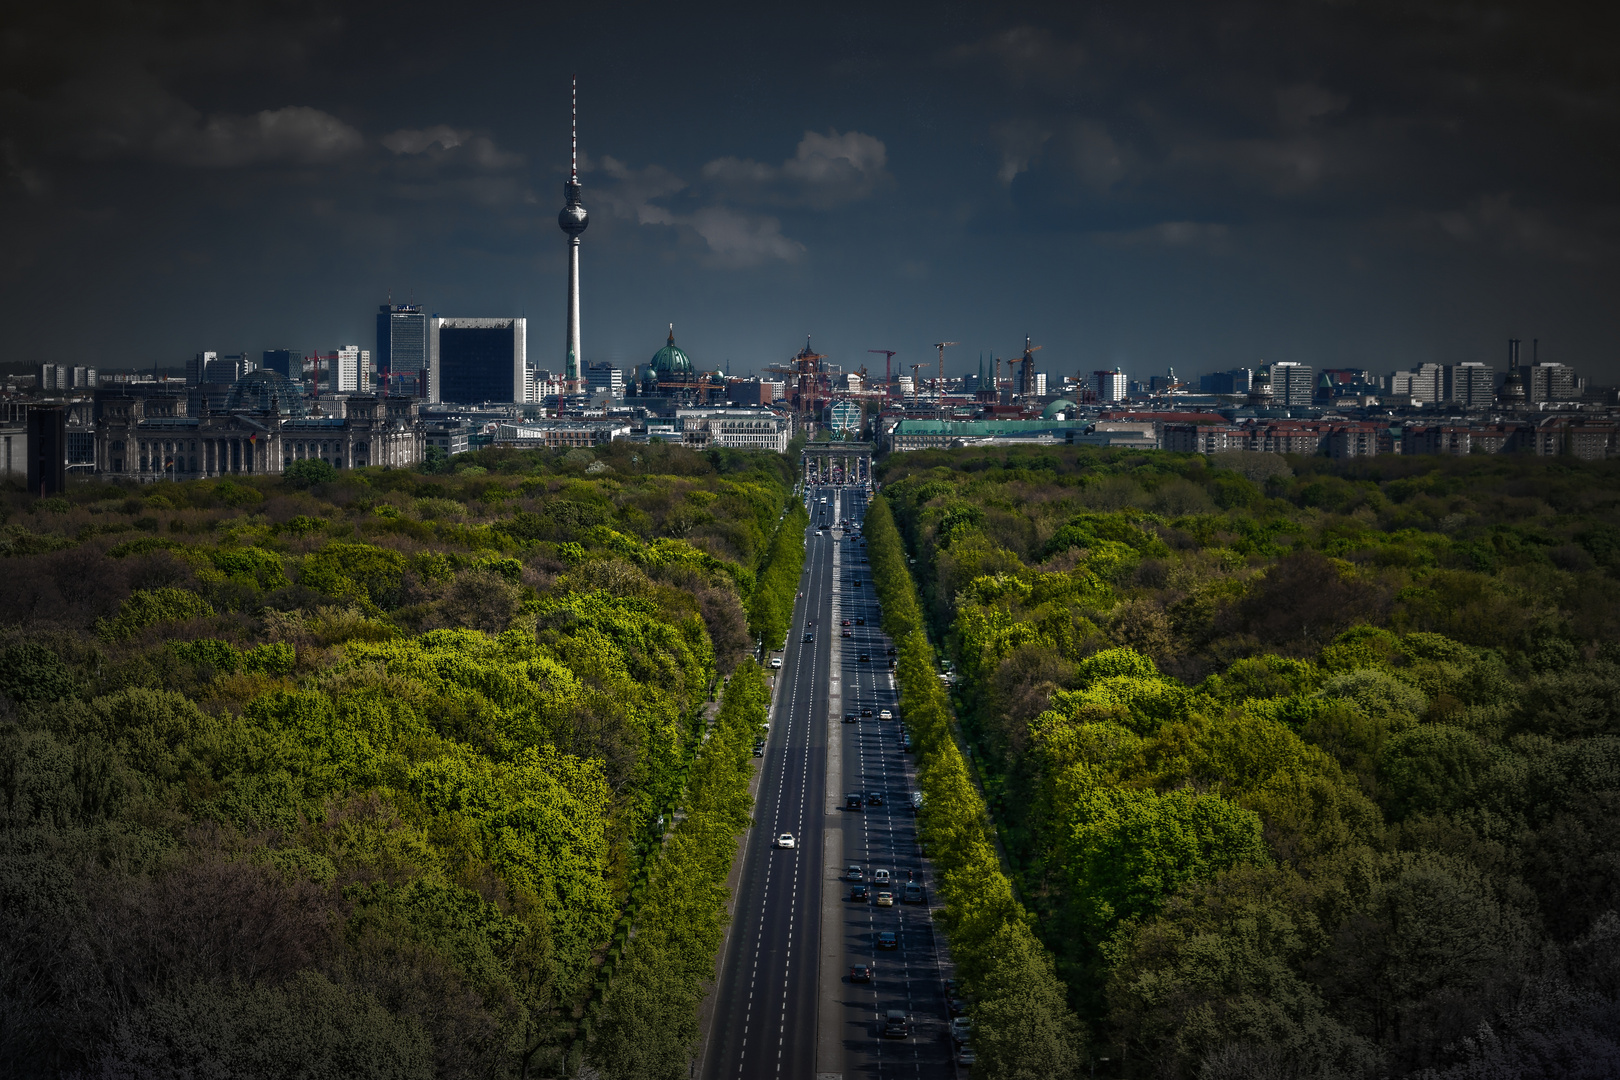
<point>739,239</point>
<point>825,171</point>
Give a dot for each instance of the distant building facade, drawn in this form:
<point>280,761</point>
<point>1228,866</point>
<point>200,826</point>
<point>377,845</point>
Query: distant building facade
<point>739,429</point>
<point>152,435</point>
<point>1292,384</point>
<point>477,360</point>
<point>402,349</point>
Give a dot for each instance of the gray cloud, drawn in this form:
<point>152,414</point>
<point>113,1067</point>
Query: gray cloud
<point>449,144</point>
<point>826,171</point>
<point>296,134</point>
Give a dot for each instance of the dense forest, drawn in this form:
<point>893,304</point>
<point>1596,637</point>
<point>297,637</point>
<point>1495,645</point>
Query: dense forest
<point>380,773</point>
<point>1299,767</point>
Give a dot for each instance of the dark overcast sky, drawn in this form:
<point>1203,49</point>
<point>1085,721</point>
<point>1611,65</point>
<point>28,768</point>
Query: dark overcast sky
<point>1146,184</point>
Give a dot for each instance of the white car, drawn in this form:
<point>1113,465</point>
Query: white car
<point>879,877</point>
<point>786,841</point>
<point>776,661</point>
<point>885,714</point>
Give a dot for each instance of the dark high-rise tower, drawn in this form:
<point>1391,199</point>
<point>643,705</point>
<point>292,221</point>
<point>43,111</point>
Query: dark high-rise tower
<point>572,221</point>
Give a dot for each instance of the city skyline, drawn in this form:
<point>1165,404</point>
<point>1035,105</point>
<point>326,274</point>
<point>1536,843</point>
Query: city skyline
<point>1314,187</point>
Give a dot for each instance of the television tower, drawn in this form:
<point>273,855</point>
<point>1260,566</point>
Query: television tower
<point>572,221</point>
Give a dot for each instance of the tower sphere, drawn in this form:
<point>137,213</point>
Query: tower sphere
<point>571,219</point>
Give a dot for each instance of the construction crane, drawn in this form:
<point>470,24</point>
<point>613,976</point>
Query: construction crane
<point>940,384</point>
<point>1026,375</point>
<point>916,387</point>
<point>888,355</point>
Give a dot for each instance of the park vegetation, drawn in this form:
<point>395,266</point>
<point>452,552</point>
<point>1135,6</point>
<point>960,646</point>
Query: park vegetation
<point>1300,767</point>
<point>378,773</point>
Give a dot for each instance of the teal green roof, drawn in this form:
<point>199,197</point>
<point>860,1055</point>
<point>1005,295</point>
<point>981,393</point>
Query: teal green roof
<point>982,428</point>
<point>670,360</point>
<point>1061,405</point>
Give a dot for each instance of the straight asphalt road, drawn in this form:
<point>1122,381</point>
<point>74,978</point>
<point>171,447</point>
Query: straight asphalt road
<point>784,1005</point>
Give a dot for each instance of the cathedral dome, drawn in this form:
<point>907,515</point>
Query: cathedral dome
<point>670,362</point>
<point>1062,406</point>
<point>255,391</point>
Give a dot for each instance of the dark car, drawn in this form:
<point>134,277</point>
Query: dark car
<point>862,658</point>
<point>905,742</point>
<point>845,622</point>
<point>810,637</point>
<point>857,893</point>
<point>759,748</point>
<point>874,798</point>
<point>852,801</point>
<point>860,973</point>
<point>857,583</point>
<point>952,987</point>
<point>866,711</point>
<point>888,939</point>
<point>896,1024</point>
<point>957,1006</point>
<point>847,633</point>
<point>912,894</point>
<point>891,651</point>
<point>863,543</point>
<point>849,718</point>
<point>860,620</point>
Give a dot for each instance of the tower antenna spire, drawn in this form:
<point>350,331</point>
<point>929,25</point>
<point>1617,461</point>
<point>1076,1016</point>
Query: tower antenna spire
<point>573,168</point>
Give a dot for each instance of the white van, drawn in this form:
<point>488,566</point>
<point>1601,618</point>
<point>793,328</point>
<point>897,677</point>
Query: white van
<point>880,877</point>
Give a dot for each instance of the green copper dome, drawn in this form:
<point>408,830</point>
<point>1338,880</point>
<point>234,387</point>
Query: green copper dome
<point>1061,405</point>
<point>670,360</point>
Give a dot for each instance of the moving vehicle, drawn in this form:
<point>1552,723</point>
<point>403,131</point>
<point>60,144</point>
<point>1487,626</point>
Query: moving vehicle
<point>888,939</point>
<point>874,798</point>
<point>866,711</point>
<point>847,633</point>
<point>885,899</point>
<point>809,635</point>
<point>885,715</point>
<point>857,583</point>
<point>776,661</point>
<point>786,841</point>
<point>858,893</point>
<point>860,973</point>
<point>896,1024</point>
<point>880,877</point>
<point>911,894</point>
<point>852,801</point>
<point>860,620</point>
<point>854,873</point>
<point>850,718</point>
<point>846,622</point>
<point>863,658</point>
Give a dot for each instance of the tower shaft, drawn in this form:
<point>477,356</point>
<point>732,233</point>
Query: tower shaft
<point>572,342</point>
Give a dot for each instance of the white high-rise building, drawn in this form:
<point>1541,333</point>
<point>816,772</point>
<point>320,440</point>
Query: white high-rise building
<point>1470,384</point>
<point>1110,385</point>
<point>352,372</point>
